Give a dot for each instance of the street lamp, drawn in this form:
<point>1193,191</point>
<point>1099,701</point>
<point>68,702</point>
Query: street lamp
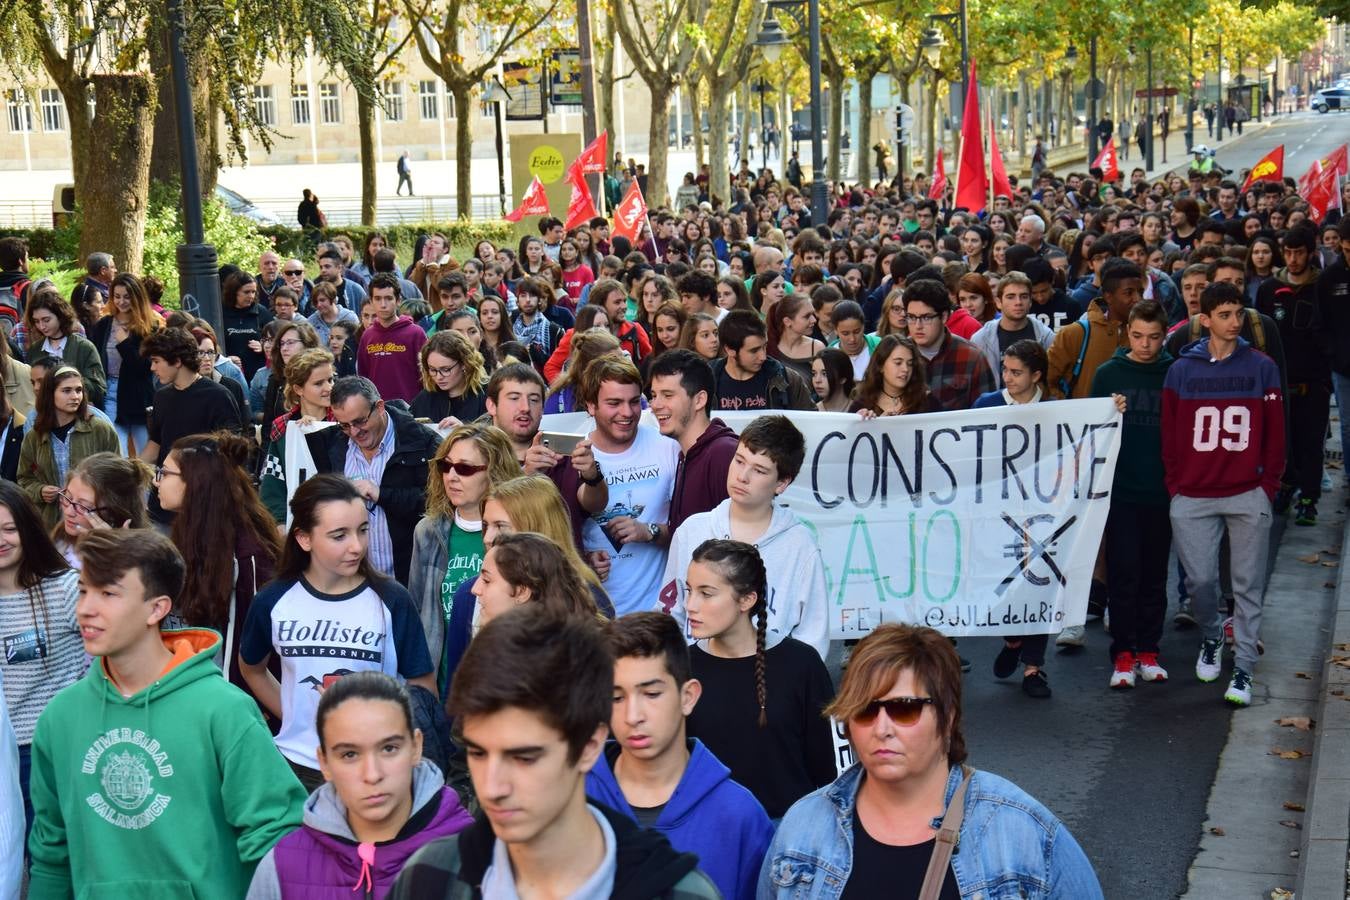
<point>932,43</point>
<point>497,94</point>
<point>771,40</point>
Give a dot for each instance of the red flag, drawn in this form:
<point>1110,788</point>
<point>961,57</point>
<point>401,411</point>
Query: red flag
<point>1322,194</point>
<point>630,214</point>
<point>1270,168</point>
<point>972,184</point>
<point>534,203</point>
<point>581,208</point>
<point>1002,186</point>
<point>592,159</point>
<point>1107,161</point>
<point>939,186</point>
<point>1336,161</point>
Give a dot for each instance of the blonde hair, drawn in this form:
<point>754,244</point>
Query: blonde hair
<point>534,504</point>
<point>301,367</point>
<point>457,347</point>
<point>497,452</point>
<point>587,347</point>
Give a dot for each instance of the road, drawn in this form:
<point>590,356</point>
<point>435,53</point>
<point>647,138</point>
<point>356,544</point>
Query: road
<point>1307,136</point>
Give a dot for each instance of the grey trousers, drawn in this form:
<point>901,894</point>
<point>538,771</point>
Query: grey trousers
<point>1197,526</point>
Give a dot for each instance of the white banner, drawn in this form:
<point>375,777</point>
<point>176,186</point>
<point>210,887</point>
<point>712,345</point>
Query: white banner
<point>299,462</point>
<point>980,522</point>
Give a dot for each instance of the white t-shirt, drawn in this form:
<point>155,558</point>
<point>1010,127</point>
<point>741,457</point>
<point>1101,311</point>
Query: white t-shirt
<point>321,637</point>
<point>860,363</point>
<point>640,480</point>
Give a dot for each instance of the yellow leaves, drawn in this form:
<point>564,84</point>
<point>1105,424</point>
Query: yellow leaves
<point>1302,723</point>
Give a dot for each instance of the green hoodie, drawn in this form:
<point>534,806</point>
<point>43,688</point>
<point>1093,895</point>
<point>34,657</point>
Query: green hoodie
<point>176,792</point>
<point>1139,468</point>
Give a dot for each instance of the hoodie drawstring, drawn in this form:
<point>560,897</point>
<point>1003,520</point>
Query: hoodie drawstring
<point>367,853</point>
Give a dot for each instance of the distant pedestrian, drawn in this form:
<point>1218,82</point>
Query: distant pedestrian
<point>1038,158</point>
<point>1125,134</point>
<point>404,174</point>
<point>1209,118</point>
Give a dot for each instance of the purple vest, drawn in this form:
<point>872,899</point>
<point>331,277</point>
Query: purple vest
<point>312,865</point>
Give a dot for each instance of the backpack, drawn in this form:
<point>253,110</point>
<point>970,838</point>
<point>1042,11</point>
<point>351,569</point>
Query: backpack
<point>1066,384</point>
<point>11,306</point>
<point>1253,320</point>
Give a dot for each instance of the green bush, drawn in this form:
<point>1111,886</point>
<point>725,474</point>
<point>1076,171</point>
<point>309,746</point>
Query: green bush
<point>292,242</point>
<point>235,238</point>
<point>63,273</point>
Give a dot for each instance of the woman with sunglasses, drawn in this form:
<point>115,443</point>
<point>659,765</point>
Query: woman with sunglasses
<point>448,544</point>
<point>770,734</point>
<point>900,705</point>
<point>328,613</point>
<point>103,491</point>
<point>64,432</point>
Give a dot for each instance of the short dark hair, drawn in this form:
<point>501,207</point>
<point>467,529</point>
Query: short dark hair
<point>549,222</point>
<point>906,262</point>
<point>331,252</point>
<point>517,371</point>
<point>173,345</point>
<point>1149,311</point>
<point>1301,236</point>
<point>932,293</point>
<point>1104,245</point>
<point>1223,262</point>
<point>385,280</point>
<point>1220,293</point>
<point>739,324</point>
<point>700,283</point>
<point>777,438</point>
<point>1038,271</point>
<point>452,280</point>
<point>13,250</point>
<point>363,686</point>
<point>1115,270</point>
<point>694,371</point>
<point>558,667</point>
<point>106,554</point>
<point>349,386</point>
<point>1127,239</point>
<point>647,635</point>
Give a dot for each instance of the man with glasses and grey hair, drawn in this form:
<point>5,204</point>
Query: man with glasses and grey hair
<point>385,452</point>
<point>293,276</point>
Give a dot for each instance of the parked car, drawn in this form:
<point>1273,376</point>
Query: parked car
<point>63,205</point>
<point>1327,99</point>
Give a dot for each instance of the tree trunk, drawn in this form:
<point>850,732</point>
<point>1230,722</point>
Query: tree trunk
<point>864,142</point>
<point>115,184</point>
<point>605,87</point>
<point>657,147</point>
<point>365,127</point>
<point>1023,109</point>
<point>463,149</point>
<point>746,140</point>
<point>700,143</point>
<point>930,123</point>
<point>719,169</point>
<point>165,160</point>
<point>836,127</point>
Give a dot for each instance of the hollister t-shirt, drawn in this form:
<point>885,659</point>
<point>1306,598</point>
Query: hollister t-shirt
<point>640,482</point>
<point>321,637</point>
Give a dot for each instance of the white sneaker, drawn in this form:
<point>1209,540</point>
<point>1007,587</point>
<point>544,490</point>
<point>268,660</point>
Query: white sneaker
<point>1149,670</point>
<point>1239,691</point>
<point>1207,664</point>
<point>1071,637</point>
<point>1123,674</point>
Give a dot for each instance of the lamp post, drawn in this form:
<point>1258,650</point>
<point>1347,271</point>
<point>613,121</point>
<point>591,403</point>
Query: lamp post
<point>1190,87</point>
<point>771,40</point>
<point>198,267</point>
<point>1148,154</point>
<point>932,43</point>
<point>497,95</point>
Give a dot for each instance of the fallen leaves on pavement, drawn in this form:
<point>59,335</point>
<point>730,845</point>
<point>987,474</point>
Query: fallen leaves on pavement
<point>1302,723</point>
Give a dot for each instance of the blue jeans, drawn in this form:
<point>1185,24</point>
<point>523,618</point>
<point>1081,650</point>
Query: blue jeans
<point>136,433</point>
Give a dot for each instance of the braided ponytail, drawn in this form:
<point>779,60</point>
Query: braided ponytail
<point>743,568</point>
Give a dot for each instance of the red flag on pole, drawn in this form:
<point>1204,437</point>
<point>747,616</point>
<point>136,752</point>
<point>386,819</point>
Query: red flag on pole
<point>1270,168</point>
<point>1336,161</point>
<point>972,184</point>
<point>939,186</point>
<point>630,214</point>
<point>581,208</point>
<point>1002,186</point>
<point>1322,194</point>
<point>1108,162</point>
<point>592,159</point>
<point>534,203</point>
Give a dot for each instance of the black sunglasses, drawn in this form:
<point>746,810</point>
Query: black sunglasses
<point>900,710</point>
<point>463,469</point>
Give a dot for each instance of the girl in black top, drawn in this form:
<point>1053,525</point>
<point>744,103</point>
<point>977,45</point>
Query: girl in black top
<point>453,381</point>
<point>760,713</point>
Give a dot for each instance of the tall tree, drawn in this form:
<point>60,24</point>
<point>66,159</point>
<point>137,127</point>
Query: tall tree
<point>441,27</point>
<point>725,51</point>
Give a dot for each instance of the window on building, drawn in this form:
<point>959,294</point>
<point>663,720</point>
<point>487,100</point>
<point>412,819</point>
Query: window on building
<point>265,105</point>
<point>393,101</point>
<point>299,104</point>
<point>20,109</point>
<point>53,110</point>
<point>449,106</point>
<point>428,98</point>
<point>330,104</point>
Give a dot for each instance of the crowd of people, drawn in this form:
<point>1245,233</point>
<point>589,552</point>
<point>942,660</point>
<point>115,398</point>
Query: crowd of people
<point>317,603</point>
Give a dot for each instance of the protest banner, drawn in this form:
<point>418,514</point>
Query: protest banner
<point>976,522</point>
<point>299,461</point>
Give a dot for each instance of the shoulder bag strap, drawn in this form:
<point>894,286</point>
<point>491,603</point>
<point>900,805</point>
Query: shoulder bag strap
<point>946,841</point>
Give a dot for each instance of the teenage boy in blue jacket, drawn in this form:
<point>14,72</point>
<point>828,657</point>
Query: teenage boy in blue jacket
<point>652,773</point>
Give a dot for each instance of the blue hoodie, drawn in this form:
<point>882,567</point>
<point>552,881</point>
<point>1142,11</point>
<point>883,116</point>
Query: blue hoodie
<point>709,814</point>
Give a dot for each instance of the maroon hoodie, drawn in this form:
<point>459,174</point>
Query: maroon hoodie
<point>701,479</point>
<point>388,357</point>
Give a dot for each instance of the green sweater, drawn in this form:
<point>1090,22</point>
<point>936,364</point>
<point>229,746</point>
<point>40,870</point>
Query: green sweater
<point>175,792</point>
<point>1139,468</point>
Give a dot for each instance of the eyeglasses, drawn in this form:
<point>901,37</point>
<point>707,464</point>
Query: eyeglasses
<point>206,354</point>
<point>462,469</point>
<point>82,509</point>
<point>928,319</point>
<point>900,710</point>
<point>292,342</point>
<point>443,372</point>
<point>356,424</point>
<point>164,470</point>
<point>293,272</point>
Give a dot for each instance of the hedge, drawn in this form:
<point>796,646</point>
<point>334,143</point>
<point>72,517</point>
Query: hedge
<point>292,242</point>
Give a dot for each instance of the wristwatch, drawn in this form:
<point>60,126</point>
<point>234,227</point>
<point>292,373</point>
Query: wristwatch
<point>599,476</point>
<point>654,530</point>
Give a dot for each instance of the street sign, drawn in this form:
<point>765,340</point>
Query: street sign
<point>1095,89</point>
<point>565,80</point>
<point>525,84</point>
<point>904,123</point>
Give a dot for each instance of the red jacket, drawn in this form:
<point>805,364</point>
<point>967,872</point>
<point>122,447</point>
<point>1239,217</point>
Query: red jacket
<point>963,324</point>
<point>632,338</point>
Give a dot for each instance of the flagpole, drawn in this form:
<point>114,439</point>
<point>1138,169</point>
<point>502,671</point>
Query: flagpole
<point>989,161</point>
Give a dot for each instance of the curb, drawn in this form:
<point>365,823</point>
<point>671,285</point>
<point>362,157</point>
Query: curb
<point>1326,824</point>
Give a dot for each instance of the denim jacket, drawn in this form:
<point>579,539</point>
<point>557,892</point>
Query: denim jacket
<point>1010,847</point>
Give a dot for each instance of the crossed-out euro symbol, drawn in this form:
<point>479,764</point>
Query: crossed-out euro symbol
<point>1027,549</point>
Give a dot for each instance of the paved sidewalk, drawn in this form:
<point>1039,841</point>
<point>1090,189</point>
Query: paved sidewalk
<point>1256,827</point>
